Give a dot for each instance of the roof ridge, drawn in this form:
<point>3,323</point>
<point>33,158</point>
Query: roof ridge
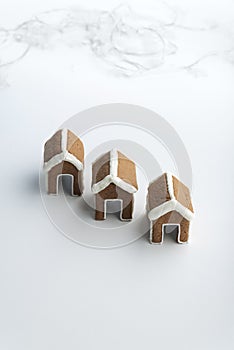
<point>170,187</point>
<point>64,132</point>
<point>113,177</point>
<point>114,160</point>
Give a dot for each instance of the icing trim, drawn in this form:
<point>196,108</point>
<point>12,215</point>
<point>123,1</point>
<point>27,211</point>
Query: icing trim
<point>63,156</point>
<point>121,208</point>
<point>57,184</point>
<point>114,162</point>
<point>163,226</point>
<point>113,178</point>
<point>165,208</point>
<point>72,184</point>
<point>170,186</point>
<point>64,140</point>
<point>101,185</point>
<point>169,206</point>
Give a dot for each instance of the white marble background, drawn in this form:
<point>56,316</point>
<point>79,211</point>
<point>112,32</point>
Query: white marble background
<point>53,63</point>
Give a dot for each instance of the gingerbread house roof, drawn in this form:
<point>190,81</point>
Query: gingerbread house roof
<point>167,194</point>
<point>114,167</point>
<point>64,145</point>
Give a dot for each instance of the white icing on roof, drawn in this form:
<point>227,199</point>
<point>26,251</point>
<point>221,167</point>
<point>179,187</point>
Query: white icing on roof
<point>172,204</point>
<point>113,177</point>
<point>65,155</point>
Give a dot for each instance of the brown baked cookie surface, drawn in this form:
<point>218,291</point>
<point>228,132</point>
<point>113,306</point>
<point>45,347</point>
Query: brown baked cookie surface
<point>64,155</point>
<point>169,203</point>
<point>114,178</point>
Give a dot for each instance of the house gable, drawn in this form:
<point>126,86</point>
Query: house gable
<point>63,146</point>
<point>168,194</point>
<point>107,170</point>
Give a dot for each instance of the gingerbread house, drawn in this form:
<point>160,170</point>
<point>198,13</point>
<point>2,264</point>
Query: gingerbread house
<point>169,203</point>
<point>64,155</point>
<point>114,178</point>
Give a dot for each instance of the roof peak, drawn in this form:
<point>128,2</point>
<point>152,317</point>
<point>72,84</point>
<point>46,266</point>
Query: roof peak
<point>167,174</point>
<point>168,193</point>
<point>111,167</point>
<point>62,146</point>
